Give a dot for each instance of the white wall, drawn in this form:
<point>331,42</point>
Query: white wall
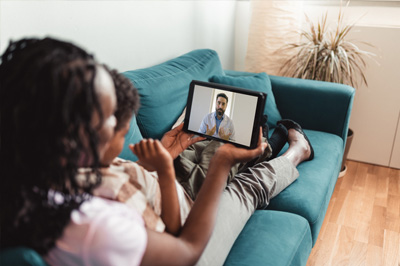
<point>201,104</point>
<point>126,34</point>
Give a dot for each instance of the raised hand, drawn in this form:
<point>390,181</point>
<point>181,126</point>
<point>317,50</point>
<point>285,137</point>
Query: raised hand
<point>211,131</point>
<point>222,134</point>
<point>152,155</point>
<point>176,140</point>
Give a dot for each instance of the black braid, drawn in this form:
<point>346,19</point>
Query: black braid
<point>47,99</point>
<point>128,102</point>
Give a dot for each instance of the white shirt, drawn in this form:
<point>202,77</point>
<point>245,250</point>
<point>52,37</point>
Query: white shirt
<point>226,124</point>
<point>101,232</point>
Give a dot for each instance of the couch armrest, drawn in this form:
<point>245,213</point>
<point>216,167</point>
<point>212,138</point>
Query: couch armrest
<point>316,105</point>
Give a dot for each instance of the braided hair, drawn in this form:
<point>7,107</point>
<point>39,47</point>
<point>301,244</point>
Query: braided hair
<point>128,102</point>
<point>47,99</point>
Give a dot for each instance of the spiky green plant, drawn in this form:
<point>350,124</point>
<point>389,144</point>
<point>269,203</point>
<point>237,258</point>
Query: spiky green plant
<point>326,55</point>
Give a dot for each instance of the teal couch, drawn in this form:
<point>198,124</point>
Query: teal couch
<point>286,231</point>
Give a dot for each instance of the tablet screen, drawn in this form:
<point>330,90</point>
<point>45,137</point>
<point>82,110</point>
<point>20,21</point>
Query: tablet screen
<point>224,113</point>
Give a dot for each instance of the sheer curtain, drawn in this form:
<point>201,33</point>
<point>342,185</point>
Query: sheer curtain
<point>273,24</point>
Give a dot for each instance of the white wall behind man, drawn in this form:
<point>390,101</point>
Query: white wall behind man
<point>201,103</point>
<point>126,34</point>
<point>243,117</point>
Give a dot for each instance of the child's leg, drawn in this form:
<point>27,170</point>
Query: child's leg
<point>191,165</point>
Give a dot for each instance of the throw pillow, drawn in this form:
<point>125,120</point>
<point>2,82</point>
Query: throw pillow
<point>132,137</point>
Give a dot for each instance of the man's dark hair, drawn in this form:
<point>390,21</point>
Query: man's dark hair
<point>127,99</point>
<point>47,97</point>
<point>222,95</point>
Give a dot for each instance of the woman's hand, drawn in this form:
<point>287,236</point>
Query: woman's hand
<point>235,155</point>
<point>176,140</point>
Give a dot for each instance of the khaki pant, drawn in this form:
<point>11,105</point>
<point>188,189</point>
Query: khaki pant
<point>247,191</point>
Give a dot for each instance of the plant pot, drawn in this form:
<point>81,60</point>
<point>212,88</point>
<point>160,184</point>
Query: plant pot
<point>343,168</point>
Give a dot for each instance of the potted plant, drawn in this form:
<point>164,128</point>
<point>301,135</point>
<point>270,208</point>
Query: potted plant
<point>326,55</point>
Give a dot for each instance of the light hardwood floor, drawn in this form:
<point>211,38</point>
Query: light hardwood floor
<point>362,223</point>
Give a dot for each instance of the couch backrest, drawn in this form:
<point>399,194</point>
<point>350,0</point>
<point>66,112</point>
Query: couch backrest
<point>163,91</point>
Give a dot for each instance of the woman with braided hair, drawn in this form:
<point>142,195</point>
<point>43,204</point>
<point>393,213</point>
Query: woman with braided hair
<point>48,98</point>
<point>56,111</point>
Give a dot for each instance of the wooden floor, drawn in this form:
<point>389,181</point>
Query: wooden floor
<point>362,223</point>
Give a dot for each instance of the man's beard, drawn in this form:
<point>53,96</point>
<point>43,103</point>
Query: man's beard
<point>220,112</point>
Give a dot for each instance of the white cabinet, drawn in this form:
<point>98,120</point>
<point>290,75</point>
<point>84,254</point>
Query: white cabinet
<point>376,109</point>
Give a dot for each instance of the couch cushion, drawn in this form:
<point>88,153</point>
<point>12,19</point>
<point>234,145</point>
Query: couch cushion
<point>133,136</point>
<point>258,82</point>
<point>272,238</point>
<point>164,88</point>
<point>309,195</point>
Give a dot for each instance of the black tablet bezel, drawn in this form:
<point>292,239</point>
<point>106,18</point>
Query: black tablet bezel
<point>261,99</point>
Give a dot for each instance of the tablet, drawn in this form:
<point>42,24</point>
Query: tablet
<point>224,113</point>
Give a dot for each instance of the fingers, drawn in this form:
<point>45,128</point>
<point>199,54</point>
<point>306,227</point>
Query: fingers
<point>262,145</point>
<point>211,131</point>
<point>260,148</point>
<point>195,140</point>
<point>158,147</point>
<point>186,135</point>
<point>150,146</point>
<point>259,137</point>
<point>177,129</point>
<point>240,154</point>
<point>144,148</point>
<point>221,133</point>
<point>134,147</point>
<point>173,132</point>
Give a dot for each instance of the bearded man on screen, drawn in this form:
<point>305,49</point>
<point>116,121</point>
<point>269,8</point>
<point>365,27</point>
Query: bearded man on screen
<point>218,124</point>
